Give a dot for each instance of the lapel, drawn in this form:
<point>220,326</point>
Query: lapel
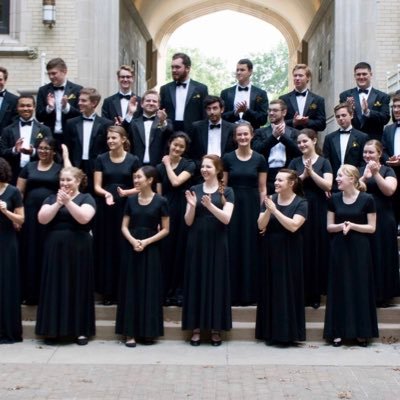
<point>293,101</point>
<point>204,135</point>
<point>153,130</point>
<point>230,98</point>
<point>35,131</point>
<point>4,106</point>
<point>190,92</point>
<point>172,93</point>
<point>95,131</point>
<point>224,136</point>
<point>140,127</point>
<point>16,132</point>
<point>252,98</point>
<point>117,104</point>
<point>79,128</point>
<point>358,112</point>
<point>309,100</point>
<point>372,98</point>
<point>392,136</point>
<point>336,144</point>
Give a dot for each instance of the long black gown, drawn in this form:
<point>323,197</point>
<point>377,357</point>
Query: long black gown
<point>66,303</point>
<point>243,231</point>
<point>350,306</point>
<point>174,245</point>
<point>39,185</point>
<point>10,309</point>
<point>316,238</point>
<point>207,301</point>
<point>280,310</point>
<point>107,236</point>
<point>384,241</point>
<point>140,312</point>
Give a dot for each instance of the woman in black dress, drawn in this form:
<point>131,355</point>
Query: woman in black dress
<point>145,223</point>
<point>206,300</point>
<point>66,302</point>
<point>350,308</point>
<point>113,182</point>
<point>174,175</point>
<point>11,212</point>
<point>36,181</point>
<point>245,171</point>
<point>382,183</point>
<point>280,310</point>
<point>316,175</point>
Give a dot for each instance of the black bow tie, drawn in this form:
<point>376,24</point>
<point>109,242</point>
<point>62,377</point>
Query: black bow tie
<point>363,91</point>
<point>345,131</point>
<point>216,126</point>
<point>398,123</point>
<point>301,93</point>
<point>88,119</point>
<point>149,118</point>
<point>58,87</point>
<point>124,96</point>
<point>183,84</point>
<point>2,93</point>
<point>23,123</point>
<point>241,89</point>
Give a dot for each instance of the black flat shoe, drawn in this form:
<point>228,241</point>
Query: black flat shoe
<point>82,341</point>
<point>215,342</point>
<point>130,343</point>
<point>148,341</point>
<point>195,343</point>
<point>337,342</point>
<point>316,305</point>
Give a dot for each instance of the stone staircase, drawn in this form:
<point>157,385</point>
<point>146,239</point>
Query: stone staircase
<point>243,323</point>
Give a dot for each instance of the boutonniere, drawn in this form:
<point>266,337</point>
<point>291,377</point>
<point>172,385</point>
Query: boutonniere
<point>259,99</point>
<point>39,135</point>
<point>71,97</point>
<point>354,144</point>
<point>196,96</point>
<point>313,106</point>
<point>377,104</point>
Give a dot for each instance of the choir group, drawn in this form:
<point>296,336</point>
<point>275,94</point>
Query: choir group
<point>181,198</point>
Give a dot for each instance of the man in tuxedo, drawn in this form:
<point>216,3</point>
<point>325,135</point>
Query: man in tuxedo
<point>18,140</point>
<point>346,145</point>
<point>277,142</point>
<point>183,98</point>
<point>115,107</point>
<point>149,132</point>
<point>86,135</point>
<point>245,101</point>
<point>8,102</point>
<point>305,109</point>
<point>212,135</point>
<point>391,148</point>
<point>370,106</point>
<point>58,100</point>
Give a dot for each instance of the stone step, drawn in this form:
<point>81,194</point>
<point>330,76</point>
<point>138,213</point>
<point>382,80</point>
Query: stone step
<point>243,331</point>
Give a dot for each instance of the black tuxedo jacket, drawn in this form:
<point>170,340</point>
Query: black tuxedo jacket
<point>71,90</point>
<point>73,136</point>
<point>8,139</point>
<point>388,140</point>
<point>112,107</point>
<point>264,140</point>
<point>194,108</point>
<point>256,114</point>
<point>199,140</point>
<point>159,136</point>
<point>354,150</point>
<point>8,110</point>
<point>378,103</point>
<point>314,109</point>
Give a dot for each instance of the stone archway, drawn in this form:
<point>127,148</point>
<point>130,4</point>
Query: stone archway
<point>246,7</point>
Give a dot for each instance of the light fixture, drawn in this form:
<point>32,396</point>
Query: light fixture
<point>49,13</point>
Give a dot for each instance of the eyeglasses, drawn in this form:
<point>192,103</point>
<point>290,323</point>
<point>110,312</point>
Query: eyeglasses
<point>44,148</point>
<point>125,77</point>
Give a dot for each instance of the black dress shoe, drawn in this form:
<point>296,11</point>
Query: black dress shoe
<point>179,301</point>
<point>195,343</point>
<point>82,341</point>
<point>216,343</point>
<point>316,305</point>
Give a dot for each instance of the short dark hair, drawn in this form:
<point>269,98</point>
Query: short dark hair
<point>5,171</point>
<point>149,172</point>
<point>347,106</point>
<point>396,97</point>
<point>56,63</point>
<point>26,96</point>
<point>247,62</point>
<point>185,59</point>
<point>363,65</point>
<point>213,99</point>
<point>5,72</point>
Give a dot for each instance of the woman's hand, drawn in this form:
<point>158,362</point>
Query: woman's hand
<point>109,199</point>
<point>191,198</point>
<point>374,167</point>
<point>3,206</point>
<point>206,201</point>
<point>269,205</point>
<point>367,172</point>
<point>308,168</point>
<point>63,197</point>
<point>346,227</point>
<point>166,160</point>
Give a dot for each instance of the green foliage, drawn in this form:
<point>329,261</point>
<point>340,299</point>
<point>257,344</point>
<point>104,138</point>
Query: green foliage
<point>208,70</point>
<point>271,70</point>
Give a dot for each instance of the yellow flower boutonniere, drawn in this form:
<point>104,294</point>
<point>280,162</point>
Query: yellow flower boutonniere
<point>313,106</point>
<point>377,104</point>
<point>258,99</point>
<point>196,96</point>
<point>39,135</point>
<point>71,97</point>
<point>354,144</point>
